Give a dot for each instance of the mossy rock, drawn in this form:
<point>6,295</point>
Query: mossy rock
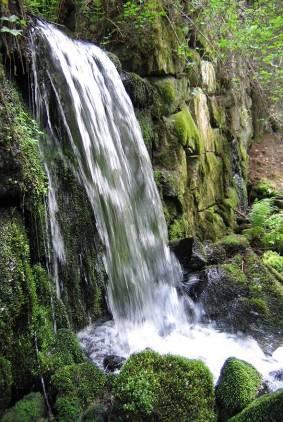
<point>268,408</point>
<point>217,112</point>
<point>30,409</point>
<point>76,387</point>
<point>139,90</point>
<point>147,127</point>
<point>233,244</point>
<point>171,94</point>
<point>6,381</point>
<point>237,387</point>
<point>243,295</point>
<point>168,388</point>
<point>186,131</point>
<point>64,351</point>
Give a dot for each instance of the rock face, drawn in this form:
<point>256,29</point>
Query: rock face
<point>196,119</point>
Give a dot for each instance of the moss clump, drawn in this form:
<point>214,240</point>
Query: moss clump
<point>237,386</point>
<point>76,387</point>
<point>235,272</point>
<point>6,381</point>
<point>164,387</point>
<point>26,293</point>
<point>31,408</point>
<point>186,130</point>
<point>19,138</point>
<point>264,189</point>
<point>234,244</point>
<point>274,260</point>
<point>268,408</point>
<point>65,350</point>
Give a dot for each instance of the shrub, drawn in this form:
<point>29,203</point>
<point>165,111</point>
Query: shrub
<point>167,387</point>
<point>237,386</point>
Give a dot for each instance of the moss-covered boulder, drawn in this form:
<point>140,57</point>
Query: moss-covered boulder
<point>6,381</point>
<point>268,408</point>
<point>30,409</point>
<point>75,387</point>
<point>167,387</point>
<point>63,350</point>
<point>139,90</point>
<point>238,385</point>
<point>241,294</point>
<point>186,131</point>
<point>171,94</point>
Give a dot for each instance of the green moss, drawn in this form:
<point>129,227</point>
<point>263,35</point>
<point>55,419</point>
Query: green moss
<point>237,386</point>
<point>147,128</point>
<point>31,408</point>
<point>264,189</point>
<point>167,91</point>
<point>234,244</point>
<point>21,136</point>
<point>76,387</point>
<point>26,294</point>
<point>172,93</point>
<point>264,409</point>
<point>235,272</point>
<point>274,260</point>
<point>186,130</point>
<point>6,381</point>
<point>232,199</point>
<point>140,90</point>
<point>167,387</point>
<point>178,229</point>
<point>65,350</point>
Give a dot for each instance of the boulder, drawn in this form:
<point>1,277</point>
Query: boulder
<point>237,387</point>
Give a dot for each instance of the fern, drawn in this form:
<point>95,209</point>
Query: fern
<point>260,212</point>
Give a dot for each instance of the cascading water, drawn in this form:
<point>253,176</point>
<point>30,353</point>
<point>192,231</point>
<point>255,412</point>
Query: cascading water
<point>79,87</point>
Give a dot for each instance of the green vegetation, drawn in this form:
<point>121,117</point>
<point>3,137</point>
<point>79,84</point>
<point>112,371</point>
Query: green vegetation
<point>266,408</point>
<point>6,381</point>
<point>237,386</point>
<point>166,387</point>
<point>274,260</point>
<point>31,408</point>
<point>233,244</point>
<point>47,9</point>
<point>76,387</point>
<point>266,225</point>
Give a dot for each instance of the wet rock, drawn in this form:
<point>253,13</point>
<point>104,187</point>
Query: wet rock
<point>277,375</point>
<point>183,250</point>
<point>111,363</point>
<point>198,258</point>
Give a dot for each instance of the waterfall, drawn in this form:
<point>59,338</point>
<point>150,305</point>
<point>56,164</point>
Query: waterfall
<point>83,107</point>
<point>112,164</point>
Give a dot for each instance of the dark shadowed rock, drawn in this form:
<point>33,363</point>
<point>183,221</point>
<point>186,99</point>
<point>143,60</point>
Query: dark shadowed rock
<point>112,362</point>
